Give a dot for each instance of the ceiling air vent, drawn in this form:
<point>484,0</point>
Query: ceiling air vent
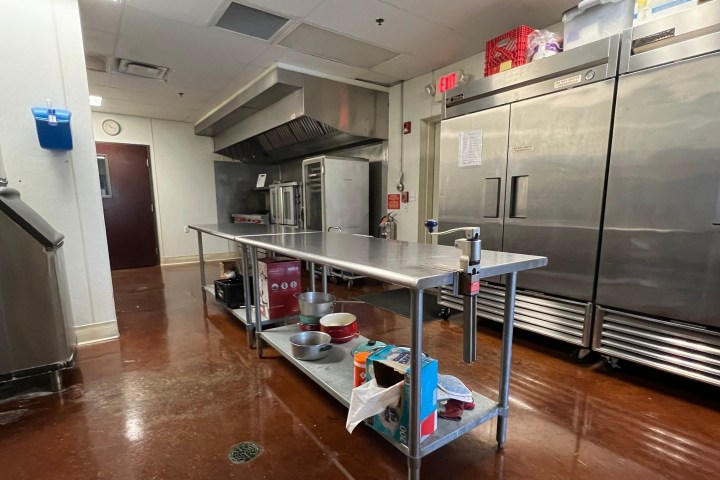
<point>250,21</point>
<point>144,70</point>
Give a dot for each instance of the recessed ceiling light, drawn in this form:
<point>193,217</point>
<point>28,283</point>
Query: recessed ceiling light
<point>96,100</point>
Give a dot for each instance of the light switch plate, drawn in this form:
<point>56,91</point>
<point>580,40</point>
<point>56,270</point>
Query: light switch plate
<point>412,197</point>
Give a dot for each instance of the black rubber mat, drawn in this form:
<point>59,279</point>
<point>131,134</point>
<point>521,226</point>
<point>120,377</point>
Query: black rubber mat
<point>398,301</point>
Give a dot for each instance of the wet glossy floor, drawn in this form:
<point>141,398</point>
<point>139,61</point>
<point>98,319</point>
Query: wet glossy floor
<point>180,387</point>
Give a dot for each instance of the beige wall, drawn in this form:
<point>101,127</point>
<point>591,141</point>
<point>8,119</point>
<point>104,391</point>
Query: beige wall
<point>183,180</point>
<point>42,53</point>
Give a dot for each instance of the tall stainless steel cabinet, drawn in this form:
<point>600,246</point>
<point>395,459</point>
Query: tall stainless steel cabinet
<point>36,328</point>
<point>524,156</point>
<point>659,277</point>
<point>337,194</point>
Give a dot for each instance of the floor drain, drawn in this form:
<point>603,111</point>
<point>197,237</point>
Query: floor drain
<point>244,452</point>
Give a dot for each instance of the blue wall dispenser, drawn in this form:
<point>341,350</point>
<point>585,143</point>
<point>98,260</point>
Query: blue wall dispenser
<point>53,127</point>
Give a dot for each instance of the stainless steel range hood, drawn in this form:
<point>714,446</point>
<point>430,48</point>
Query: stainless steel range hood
<point>285,114</point>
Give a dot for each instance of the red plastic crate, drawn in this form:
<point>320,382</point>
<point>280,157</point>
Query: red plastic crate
<point>508,47</point>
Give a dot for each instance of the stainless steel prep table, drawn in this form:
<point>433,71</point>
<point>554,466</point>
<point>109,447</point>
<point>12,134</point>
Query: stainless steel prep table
<point>232,232</point>
<point>415,266</point>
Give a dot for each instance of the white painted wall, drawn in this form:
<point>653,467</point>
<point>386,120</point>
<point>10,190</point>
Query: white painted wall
<point>41,48</point>
<point>183,180</point>
<point>409,102</point>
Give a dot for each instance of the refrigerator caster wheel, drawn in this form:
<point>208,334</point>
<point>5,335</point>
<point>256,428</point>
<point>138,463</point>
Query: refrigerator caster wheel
<point>445,313</point>
<point>350,284</point>
<point>612,363</point>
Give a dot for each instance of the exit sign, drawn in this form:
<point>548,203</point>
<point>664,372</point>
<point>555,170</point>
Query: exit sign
<point>447,82</point>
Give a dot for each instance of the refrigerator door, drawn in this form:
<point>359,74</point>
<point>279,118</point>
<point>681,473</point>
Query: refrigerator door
<point>276,213</point>
<point>557,159</point>
<point>289,206</point>
<point>661,240</point>
<point>474,195</point>
<point>313,173</point>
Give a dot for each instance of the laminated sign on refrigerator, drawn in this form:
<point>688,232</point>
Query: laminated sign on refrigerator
<point>470,148</point>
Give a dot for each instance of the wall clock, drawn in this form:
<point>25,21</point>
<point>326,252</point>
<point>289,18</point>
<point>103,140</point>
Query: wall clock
<point>111,127</point>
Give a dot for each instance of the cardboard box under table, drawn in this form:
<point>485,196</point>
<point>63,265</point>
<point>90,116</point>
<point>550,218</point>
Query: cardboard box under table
<point>279,285</point>
<point>390,366</point>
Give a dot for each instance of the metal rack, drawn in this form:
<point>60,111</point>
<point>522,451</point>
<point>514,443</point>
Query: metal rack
<point>417,267</point>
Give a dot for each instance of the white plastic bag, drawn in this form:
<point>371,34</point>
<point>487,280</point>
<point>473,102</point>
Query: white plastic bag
<point>369,399</point>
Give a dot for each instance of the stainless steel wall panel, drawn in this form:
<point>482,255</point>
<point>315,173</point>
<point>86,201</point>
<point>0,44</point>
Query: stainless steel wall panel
<point>661,250</point>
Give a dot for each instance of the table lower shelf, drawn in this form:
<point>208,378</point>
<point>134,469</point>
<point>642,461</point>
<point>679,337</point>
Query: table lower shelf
<point>334,373</point>
<point>239,313</point>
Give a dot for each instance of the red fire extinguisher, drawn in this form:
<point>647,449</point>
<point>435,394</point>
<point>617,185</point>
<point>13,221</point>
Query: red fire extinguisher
<point>388,227</point>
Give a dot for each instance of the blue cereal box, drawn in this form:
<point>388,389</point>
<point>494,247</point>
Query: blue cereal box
<point>389,366</point>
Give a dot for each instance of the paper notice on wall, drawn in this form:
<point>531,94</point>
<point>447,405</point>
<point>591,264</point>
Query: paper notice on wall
<point>470,148</point>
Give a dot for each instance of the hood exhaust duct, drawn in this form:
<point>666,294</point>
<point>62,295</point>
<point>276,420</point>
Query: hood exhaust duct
<point>285,114</point>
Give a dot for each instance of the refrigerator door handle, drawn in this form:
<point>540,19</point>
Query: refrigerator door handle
<point>518,196</point>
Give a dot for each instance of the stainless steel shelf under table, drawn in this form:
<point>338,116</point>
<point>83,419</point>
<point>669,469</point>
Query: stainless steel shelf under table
<point>241,313</point>
<point>417,267</point>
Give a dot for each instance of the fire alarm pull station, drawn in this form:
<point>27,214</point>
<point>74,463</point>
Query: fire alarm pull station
<point>405,197</point>
<point>407,127</point>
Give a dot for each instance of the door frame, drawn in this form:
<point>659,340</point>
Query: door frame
<point>153,200</point>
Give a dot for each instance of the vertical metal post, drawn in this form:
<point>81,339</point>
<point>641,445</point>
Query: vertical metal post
<point>324,278</point>
<point>312,276</point>
<point>201,258</point>
<point>249,321</point>
<point>508,319</point>
<point>469,328</point>
<point>258,301</point>
<point>416,316</point>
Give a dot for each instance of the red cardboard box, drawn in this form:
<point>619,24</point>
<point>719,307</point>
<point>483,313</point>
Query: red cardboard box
<point>279,285</point>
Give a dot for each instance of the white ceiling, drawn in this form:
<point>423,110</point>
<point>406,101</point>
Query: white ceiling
<point>209,64</point>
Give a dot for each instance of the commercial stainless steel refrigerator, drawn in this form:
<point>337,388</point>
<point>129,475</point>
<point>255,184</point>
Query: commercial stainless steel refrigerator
<point>337,194</point>
<point>524,155</point>
<point>658,291</point>
<point>36,328</point>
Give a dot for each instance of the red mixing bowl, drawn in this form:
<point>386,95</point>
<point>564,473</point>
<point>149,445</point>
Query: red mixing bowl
<point>342,327</point>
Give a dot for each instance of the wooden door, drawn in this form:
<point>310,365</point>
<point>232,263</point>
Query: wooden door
<point>128,205</point>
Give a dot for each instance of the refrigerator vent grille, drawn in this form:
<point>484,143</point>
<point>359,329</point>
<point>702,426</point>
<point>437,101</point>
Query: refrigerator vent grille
<point>553,317</point>
<point>682,349</point>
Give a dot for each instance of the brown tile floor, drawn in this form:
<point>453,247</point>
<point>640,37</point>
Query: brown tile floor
<point>180,387</point>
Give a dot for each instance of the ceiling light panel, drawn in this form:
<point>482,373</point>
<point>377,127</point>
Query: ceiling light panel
<point>96,101</point>
<point>326,44</point>
<point>251,21</point>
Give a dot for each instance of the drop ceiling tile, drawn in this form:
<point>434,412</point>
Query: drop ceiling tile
<point>323,43</point>
<point>299,59</point>
<point>100,15</point>
<point>401,31</point>
<point>405,67</point>
<point>98,42</point>
<point>98,78</point>
<point>293,8</point>
<point>451,14</point>
<point>375,77</point>
<point>141,109</point>
<point>195,78</point>
<point>126,86</point>
<point>192,12</point>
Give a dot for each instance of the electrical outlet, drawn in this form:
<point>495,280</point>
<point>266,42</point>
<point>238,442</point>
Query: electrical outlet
<point>186,229</point>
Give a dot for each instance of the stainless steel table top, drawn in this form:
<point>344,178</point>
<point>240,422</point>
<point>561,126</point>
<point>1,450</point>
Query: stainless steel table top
<point>231,231</point>
<point>409,264</point>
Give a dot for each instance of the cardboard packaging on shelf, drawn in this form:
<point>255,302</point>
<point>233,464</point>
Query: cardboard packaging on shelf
<point>390,366</point>
<point>279,285</point>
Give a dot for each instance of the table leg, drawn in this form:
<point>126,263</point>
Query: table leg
<point>508,319</point>
<point>312,276</point>
<point>256,293</point>
<point>469,328</point>
<point>201,258</point>
<point>416,309</point>
<point>249,321</point>
<point>324,278</point>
